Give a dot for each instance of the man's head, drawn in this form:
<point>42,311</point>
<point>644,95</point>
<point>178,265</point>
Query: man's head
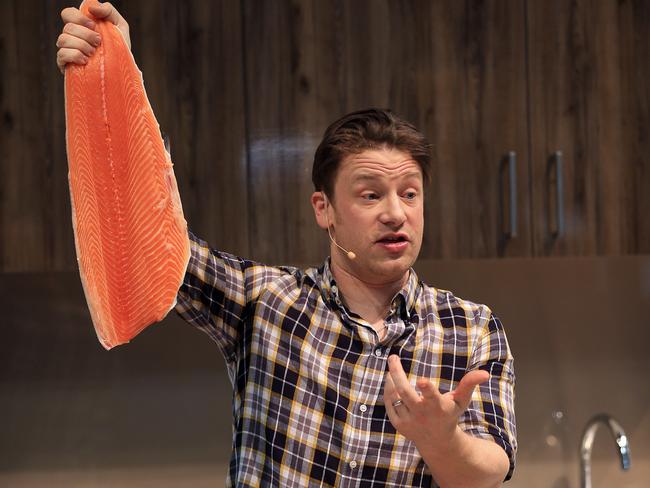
<point>366,129</point>
<point>369,173</point>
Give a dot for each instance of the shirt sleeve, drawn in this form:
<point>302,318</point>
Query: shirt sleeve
<point>491,413</point>
<point>217,292</point>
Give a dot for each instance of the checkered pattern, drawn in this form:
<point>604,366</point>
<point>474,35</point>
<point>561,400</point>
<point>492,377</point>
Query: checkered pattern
<point>308,374</point>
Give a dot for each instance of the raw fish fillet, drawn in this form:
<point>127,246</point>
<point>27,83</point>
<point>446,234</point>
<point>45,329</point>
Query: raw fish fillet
<point>130,234</point>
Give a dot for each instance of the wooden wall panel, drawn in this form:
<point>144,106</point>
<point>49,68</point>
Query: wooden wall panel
<point>562,96</point>
<point>34,198</point>
<point>589,99</point>
<point>637,90</point>
<point>471,61</point>
<point>245,89</point>
<point>292,76</point>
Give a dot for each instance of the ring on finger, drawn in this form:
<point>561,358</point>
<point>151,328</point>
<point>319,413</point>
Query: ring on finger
<point>397,403</point>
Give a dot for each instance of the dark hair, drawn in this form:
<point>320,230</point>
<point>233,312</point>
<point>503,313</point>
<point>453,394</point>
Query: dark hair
<point>355,132</point>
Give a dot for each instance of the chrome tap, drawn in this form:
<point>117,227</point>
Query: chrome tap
<point>587,443</point>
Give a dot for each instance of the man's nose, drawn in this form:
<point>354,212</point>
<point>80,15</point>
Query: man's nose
<point>393,212</point>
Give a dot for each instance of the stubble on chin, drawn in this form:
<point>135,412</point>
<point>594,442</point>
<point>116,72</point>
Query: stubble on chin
<point>389,271</point>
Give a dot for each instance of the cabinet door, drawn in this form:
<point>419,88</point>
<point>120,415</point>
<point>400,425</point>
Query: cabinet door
<point>589,100</point>
<point>477,115</point>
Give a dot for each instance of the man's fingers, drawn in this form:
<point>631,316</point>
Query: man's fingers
<point>405,391</point>
<point>389,387</point>
<point>78,39</point>
<point>81,32</point>
<point>106,11</point>
<point>72,15</point>
<point>66,55</point>
<point>428,389</point>
<point>391,395</point>
<point>75,43</point>
<point>463,392</point>
<point>72,42</point>
<point>390,392</point>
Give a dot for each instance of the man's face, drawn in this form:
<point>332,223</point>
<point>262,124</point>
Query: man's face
<point>378,213</point>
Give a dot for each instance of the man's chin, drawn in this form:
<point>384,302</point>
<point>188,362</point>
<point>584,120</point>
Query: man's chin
<point>392,269</point>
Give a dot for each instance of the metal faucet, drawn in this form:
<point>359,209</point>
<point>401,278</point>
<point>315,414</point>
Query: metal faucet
<point>587,444</point>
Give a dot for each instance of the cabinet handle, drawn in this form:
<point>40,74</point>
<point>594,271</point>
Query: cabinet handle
<point>512,175</point>
<point>559,194</point>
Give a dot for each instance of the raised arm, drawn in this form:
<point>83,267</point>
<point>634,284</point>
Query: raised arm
<point>218,292</point>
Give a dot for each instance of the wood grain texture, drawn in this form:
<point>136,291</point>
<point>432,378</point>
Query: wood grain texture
<point>637,105</point>
<point>589,99</point>
<point>245,89</point>
<point>292,71</point>
<point>478,115</point>
<point>35,212</point>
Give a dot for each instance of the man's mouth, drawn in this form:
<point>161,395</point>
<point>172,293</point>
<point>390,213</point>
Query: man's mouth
<point>393,238</point>
<point>393,243</point>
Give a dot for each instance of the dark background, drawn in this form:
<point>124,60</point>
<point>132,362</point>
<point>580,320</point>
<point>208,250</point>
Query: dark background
<point>245,90</point>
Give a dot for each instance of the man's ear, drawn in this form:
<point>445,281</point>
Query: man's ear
<point>319,203</point>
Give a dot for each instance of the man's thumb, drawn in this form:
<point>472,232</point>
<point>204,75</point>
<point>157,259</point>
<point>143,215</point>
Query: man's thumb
<point>98,9</point>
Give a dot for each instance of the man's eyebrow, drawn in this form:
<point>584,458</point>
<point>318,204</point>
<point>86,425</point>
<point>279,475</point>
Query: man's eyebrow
<point>364,176</point>
<point>372,177</point>
<point>413,174</point>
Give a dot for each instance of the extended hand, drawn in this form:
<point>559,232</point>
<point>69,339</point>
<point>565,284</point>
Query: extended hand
<point>78,39</point>
<point>431,417</point>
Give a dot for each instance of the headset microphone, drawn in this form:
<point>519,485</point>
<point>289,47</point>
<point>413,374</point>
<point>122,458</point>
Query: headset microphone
<point>349,254</point>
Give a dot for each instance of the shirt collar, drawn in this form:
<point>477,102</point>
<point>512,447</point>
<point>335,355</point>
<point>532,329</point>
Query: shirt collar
<point>404,301</point>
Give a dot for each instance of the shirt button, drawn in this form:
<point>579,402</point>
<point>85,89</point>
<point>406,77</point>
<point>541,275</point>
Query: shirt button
<point>353,464</point>
<point>379,352</point>
<point>363,408</point>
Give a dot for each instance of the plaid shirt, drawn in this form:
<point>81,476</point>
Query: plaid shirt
<point>308,374</point>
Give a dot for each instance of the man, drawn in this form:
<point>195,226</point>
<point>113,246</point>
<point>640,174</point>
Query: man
<point>354,373</point>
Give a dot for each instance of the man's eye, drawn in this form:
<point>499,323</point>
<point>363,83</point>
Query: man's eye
<point>410,195</point>
<point>370,196</point>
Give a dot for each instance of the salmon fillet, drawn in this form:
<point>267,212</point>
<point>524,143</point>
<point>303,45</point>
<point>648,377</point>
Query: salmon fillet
<point>130,234</point>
